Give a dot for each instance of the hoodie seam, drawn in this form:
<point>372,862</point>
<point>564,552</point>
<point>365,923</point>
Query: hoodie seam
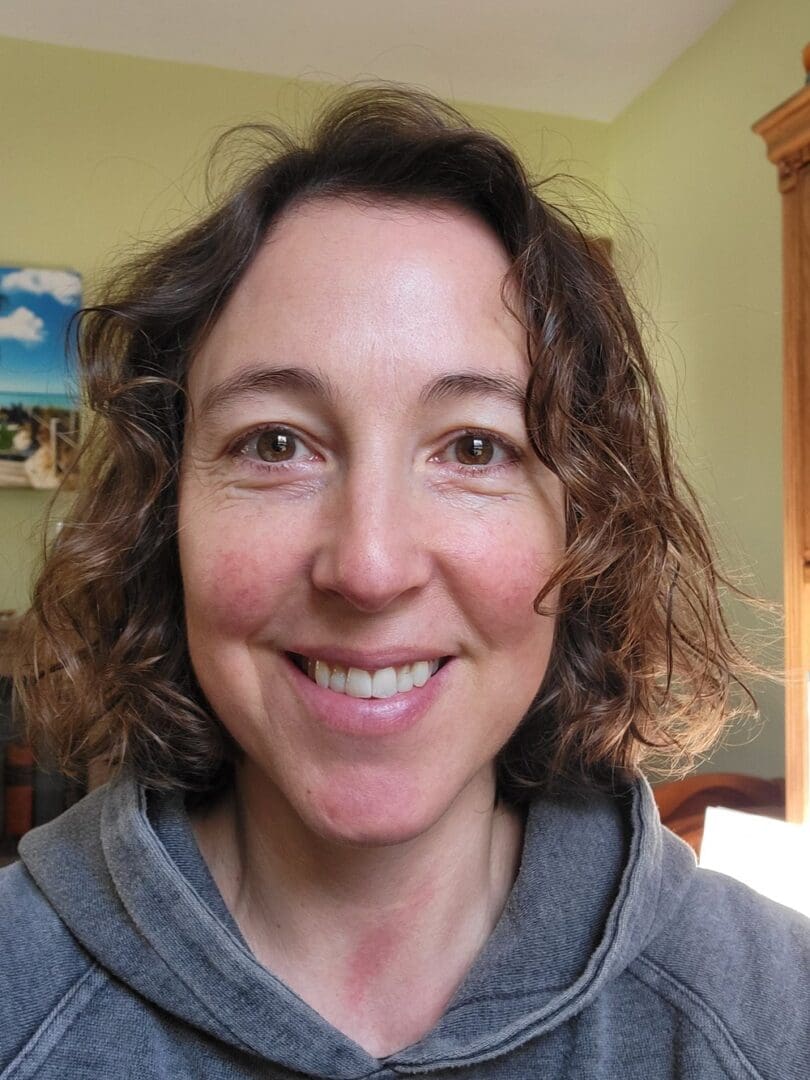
<point>509,995</point>
<point>216,1020</point>
<point>673,989</point>
<point>158,849</point>
<point>48,1035</point>
<point>576,996</point>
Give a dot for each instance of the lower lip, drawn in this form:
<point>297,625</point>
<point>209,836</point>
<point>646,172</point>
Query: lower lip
<point>367,716</point>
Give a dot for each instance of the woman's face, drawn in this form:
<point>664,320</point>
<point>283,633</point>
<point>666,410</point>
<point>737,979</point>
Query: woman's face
<point>358,490</point>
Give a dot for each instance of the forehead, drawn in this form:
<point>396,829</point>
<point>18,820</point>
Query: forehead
<point>333,235</point>
<point>354,285</point>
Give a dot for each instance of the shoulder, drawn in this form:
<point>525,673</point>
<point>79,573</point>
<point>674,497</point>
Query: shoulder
<point>40,961</point>
<point>737,965</point>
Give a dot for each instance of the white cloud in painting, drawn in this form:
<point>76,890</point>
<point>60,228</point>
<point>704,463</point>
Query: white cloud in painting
<point>62,285</point>
<point>22,325</point>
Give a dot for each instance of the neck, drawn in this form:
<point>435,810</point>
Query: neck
<point>350,928</point>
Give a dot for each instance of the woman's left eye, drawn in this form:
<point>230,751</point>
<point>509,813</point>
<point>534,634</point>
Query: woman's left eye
<point>478,449</point>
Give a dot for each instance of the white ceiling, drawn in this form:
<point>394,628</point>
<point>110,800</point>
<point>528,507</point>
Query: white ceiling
<point>586,58</point>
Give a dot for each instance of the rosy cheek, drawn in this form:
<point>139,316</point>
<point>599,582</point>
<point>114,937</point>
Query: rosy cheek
<point>519,582</point>
<point>240,582</point>
<point>233,585</point>
<point>505,571</point>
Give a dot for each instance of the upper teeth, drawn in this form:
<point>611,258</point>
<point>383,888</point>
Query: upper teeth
<point>359,683</point>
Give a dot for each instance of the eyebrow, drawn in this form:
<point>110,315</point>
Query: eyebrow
<point>459,384</point>
<point>255,381</point>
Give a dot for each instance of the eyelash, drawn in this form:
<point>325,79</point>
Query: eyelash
<point>239,448</point>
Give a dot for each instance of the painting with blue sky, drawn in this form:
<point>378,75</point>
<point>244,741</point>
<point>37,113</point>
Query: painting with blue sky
<point>38,396</point>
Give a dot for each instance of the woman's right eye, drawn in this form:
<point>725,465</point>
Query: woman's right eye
<point>273,445</point>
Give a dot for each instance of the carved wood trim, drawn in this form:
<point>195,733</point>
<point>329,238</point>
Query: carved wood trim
<point>786,131</point>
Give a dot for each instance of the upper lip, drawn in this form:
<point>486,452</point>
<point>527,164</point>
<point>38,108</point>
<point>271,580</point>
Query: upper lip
<point>373,660</point>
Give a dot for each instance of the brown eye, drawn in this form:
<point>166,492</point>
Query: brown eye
<point>276,445</point>
<point>474,450</point>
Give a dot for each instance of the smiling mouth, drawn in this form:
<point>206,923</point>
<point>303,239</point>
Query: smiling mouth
<point>360,683</point>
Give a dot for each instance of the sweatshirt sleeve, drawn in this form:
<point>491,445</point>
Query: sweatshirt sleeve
<point>40,962</point>
<point>739,965</point>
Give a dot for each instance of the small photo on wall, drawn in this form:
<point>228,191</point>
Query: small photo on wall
<point>39,406</point>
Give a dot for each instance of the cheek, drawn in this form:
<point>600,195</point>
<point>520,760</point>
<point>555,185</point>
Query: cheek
<point>235,575</point>
<point>501,571</point>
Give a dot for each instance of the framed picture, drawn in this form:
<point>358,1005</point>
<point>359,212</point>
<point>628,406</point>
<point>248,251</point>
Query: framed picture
<point>39,407</point>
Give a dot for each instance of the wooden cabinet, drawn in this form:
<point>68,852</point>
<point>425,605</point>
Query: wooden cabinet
<point>786,131</point>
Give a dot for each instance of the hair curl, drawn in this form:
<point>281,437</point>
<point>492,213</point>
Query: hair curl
<point>642,663</point>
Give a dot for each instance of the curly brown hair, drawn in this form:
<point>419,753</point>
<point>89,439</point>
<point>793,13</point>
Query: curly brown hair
<point>642,663</point>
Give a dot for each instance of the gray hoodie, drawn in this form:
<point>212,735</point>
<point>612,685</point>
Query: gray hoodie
<point>615,957</point>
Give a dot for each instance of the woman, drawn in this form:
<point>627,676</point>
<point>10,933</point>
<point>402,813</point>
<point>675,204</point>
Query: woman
<point>380,588</point>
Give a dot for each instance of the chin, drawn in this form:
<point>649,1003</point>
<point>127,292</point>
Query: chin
<point>377,813</point>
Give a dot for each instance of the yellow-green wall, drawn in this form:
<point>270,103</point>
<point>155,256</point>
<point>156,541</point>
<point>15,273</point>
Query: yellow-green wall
<point>102,151</point>
<point>690,173</point>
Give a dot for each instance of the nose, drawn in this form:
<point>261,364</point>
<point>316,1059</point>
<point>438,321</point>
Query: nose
<point>373,547</point>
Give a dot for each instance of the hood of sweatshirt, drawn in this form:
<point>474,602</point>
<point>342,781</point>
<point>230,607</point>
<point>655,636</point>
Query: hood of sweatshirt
<point>599,877</point>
